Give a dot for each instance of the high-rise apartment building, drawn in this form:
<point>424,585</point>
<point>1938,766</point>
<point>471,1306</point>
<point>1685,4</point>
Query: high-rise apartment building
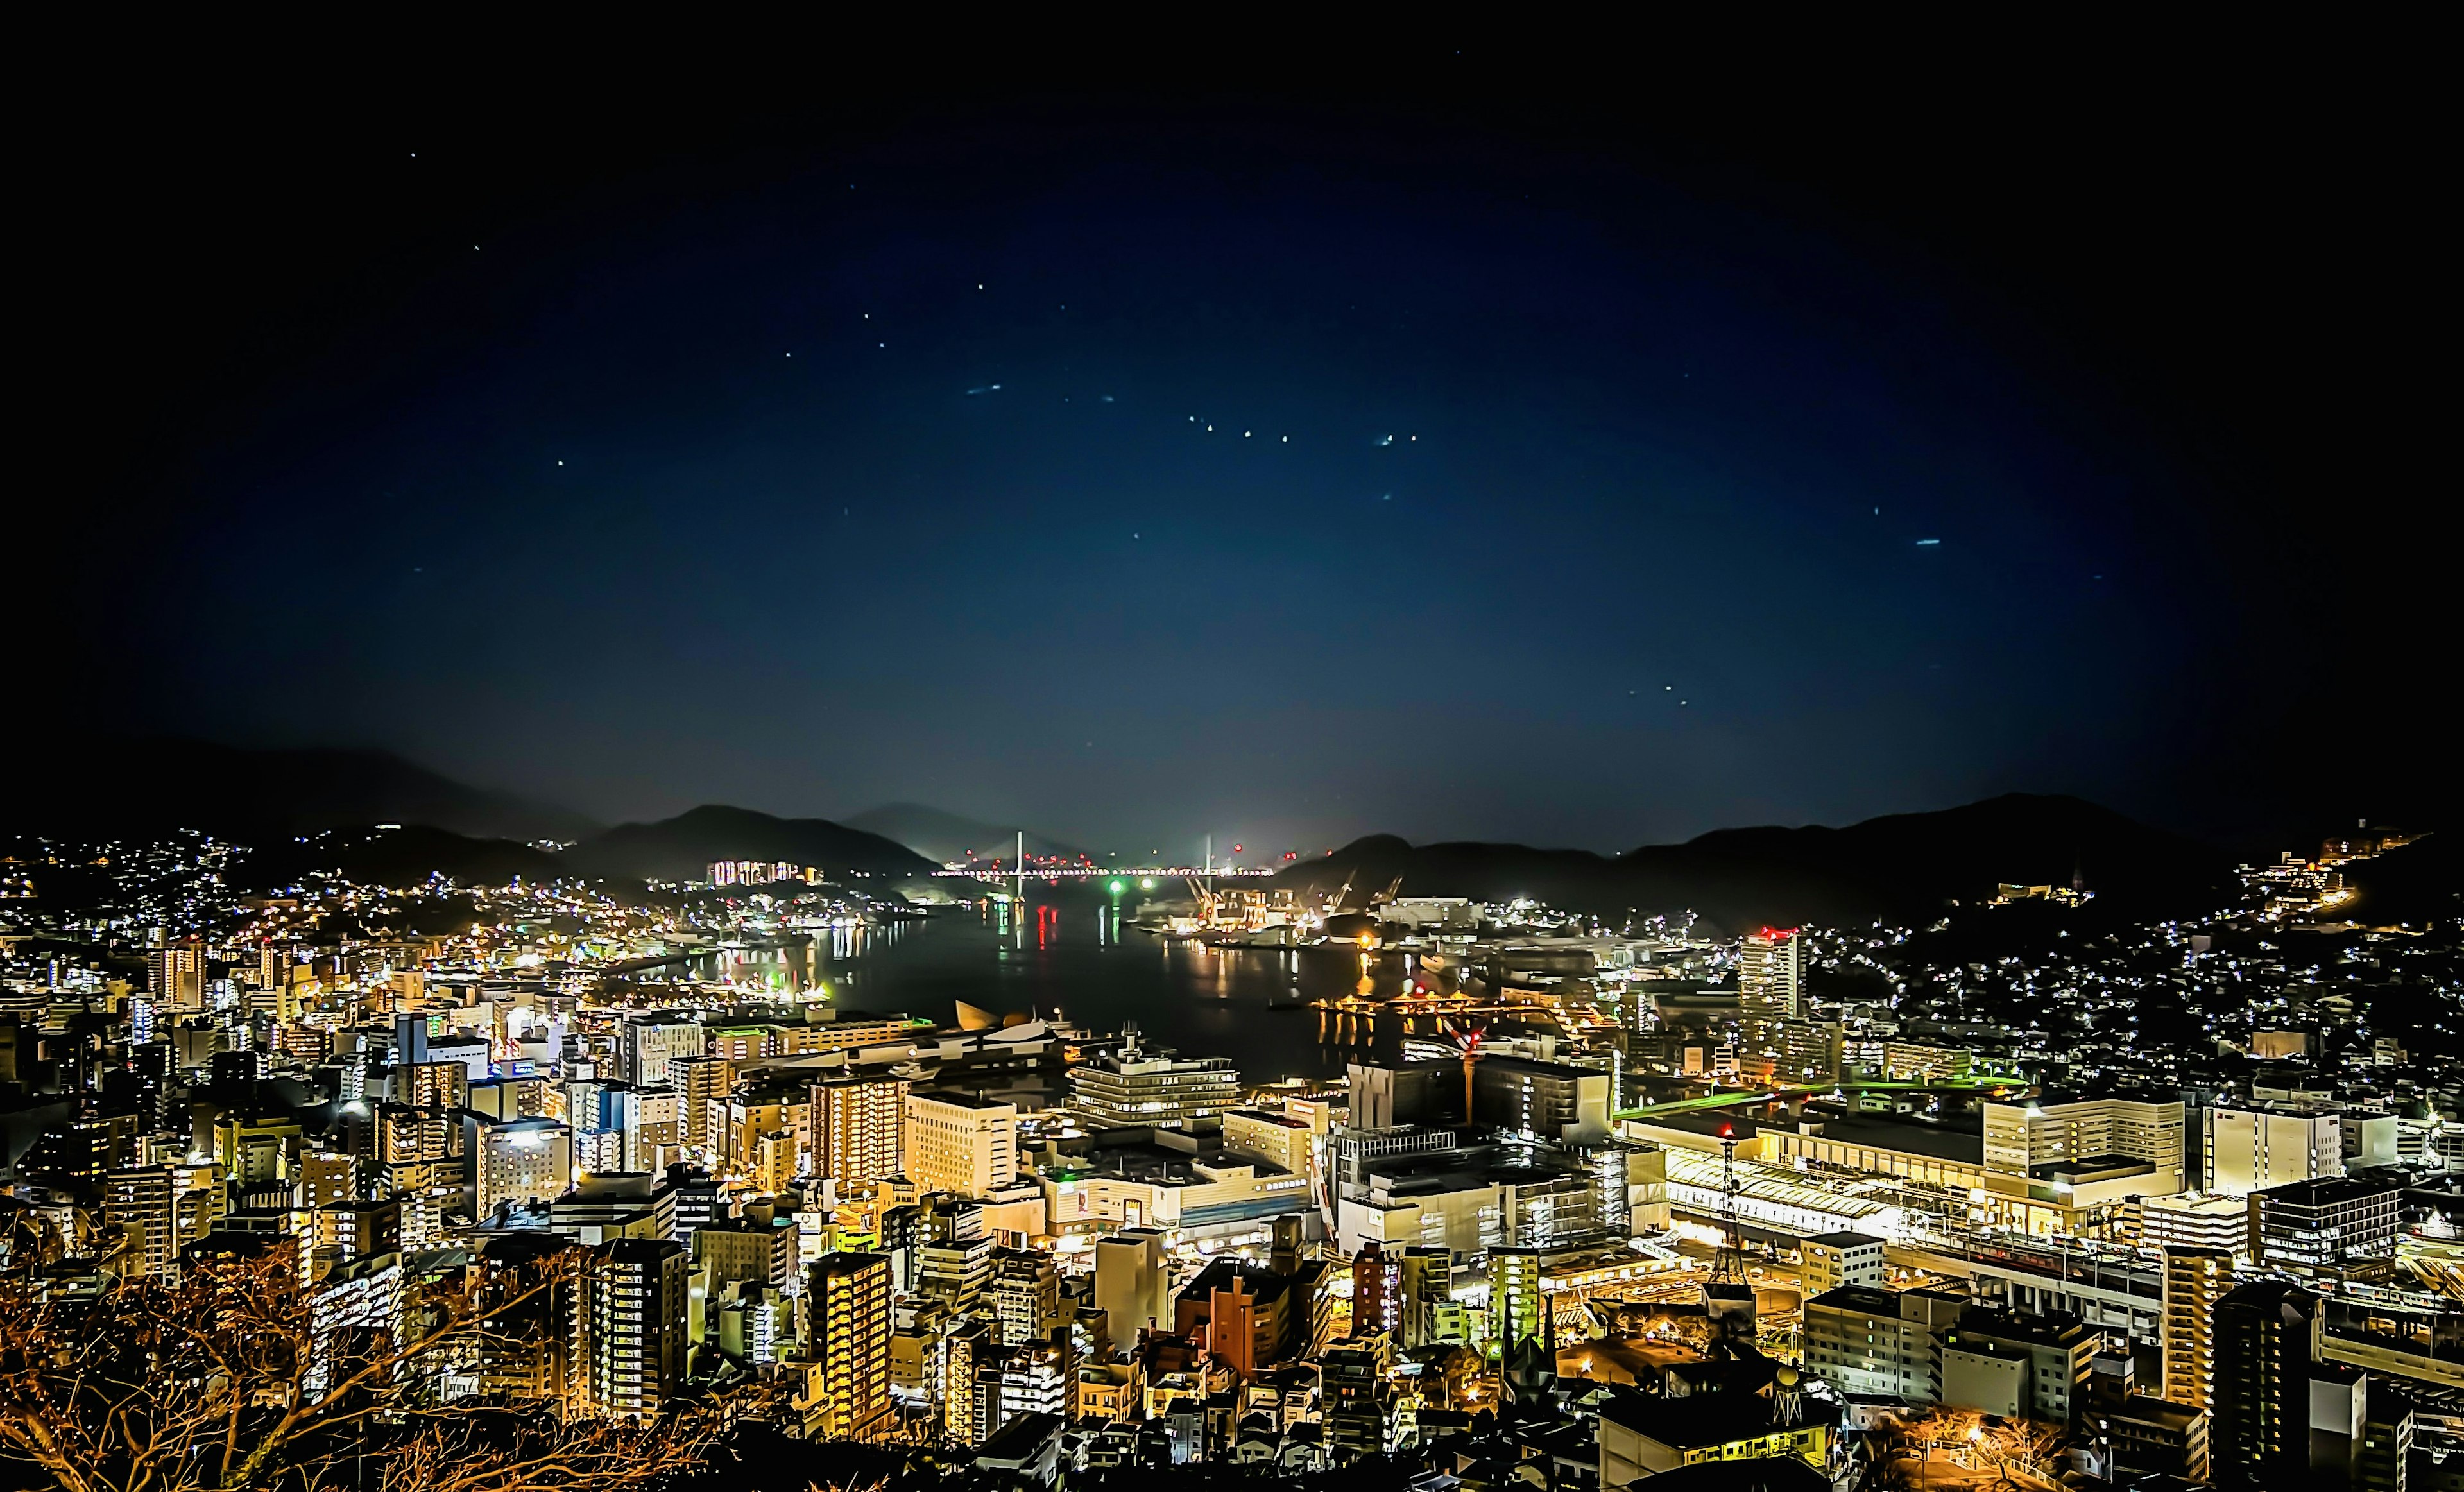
<point>2195,1280</point>
<point>143,1199</point>
<point>1515,1303</point>
<point>524,1307</point>
<point>430,1085</point>
<point>176,976</point>
<point>957,1142</point>
<point>629,1327</point>
<point>701,1084</point>
<point>859,1124</point>
<point>649,1120</point>
<point>323,1178</point>
<point>846,1302</point>
<point>968,1390</point>
<point>1770,977</point>
<point>1377,1292</point>
<point>1026,1296</point>
<point>1424,1272</point>
<point>2267,1337</point>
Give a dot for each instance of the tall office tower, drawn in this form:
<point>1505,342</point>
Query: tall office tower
<point>1377,1292</point>
<point>175,973</point>
<point>1771,975</point>
<point>2267,1336</point>
<point>2250,1148</point>
<point>1025,1292</point>
<point>629,1327</point>
<point>858,1124</point>
<point>523,1161</point>
<point>142,1197</point>
<point>648,1043</point>
<point>701,1084</point>
<point>957,1142</point>
<point>2195,1278</point>
<point>1514,1301</point>
<point>1423,1275</point>
<point>1135,1086</point>
<point>1131,1287</point>
<point>846,1302</point>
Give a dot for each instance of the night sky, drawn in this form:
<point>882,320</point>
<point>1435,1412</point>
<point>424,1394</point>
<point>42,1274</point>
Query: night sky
<point>1459,462</point>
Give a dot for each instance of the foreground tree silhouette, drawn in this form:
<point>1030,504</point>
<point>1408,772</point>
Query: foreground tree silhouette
<point>242,1374</point>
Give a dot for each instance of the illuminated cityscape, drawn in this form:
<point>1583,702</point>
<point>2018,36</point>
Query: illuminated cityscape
<point>1267,763</point>
<point>1849,1187</point>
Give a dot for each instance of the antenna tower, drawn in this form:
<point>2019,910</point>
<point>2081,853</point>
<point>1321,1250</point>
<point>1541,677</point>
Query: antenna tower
<point>1729,1264</point>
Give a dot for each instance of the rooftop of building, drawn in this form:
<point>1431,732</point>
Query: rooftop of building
<point>955,1099</point>
<point>1221,1274</point>
<point>2266,1294</point>
<point>1847,1240</point>
<point>1261,1116</point>
<point>2119,1094</point>
<point>2325,1192</point>
<point>1874,1300</point>
<point>1696,1421</point>
<point>2201,1203</point>
<point>1870,1299</point>
<point>1138,1156</point>
<point>2091,1168</point>
<point>2054,1328</point>
<point>1940,1142</point>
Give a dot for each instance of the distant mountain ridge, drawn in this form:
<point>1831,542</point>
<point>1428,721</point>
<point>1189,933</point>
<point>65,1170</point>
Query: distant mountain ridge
<point>102,785</point>
<point>681,849</point>
<point>940,836</point>
<point>1901,867</point>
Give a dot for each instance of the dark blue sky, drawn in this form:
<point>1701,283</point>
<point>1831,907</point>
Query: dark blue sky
<point>831,463</point>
